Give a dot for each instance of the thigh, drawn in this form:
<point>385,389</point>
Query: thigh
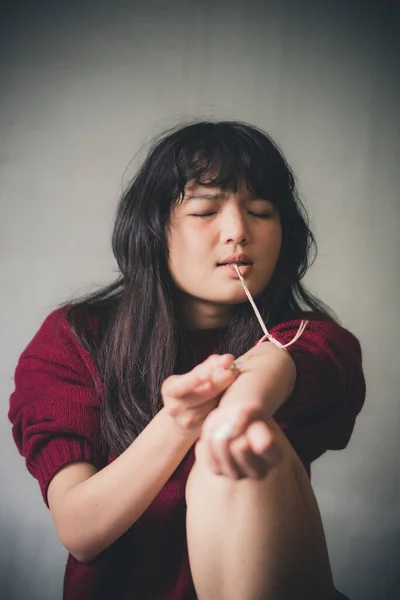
<point>252,540</point>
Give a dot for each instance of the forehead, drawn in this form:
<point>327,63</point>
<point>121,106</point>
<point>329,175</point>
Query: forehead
<point>197,190</point>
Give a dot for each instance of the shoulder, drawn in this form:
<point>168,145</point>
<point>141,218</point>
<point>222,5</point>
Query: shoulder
<point>54,329</point>
<point>56,384</point>
<point>318,326</point>
<point>322,336</point>
<point>55,357</point>
<point>56,348</point>
<point>54,409</point>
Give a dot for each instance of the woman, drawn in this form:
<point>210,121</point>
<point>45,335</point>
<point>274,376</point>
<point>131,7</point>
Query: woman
<point>170,471</point>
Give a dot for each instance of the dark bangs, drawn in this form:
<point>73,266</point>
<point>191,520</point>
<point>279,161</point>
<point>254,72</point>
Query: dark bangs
<point>223,154</point>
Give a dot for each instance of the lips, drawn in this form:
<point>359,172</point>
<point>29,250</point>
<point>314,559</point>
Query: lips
<point>239,259</point>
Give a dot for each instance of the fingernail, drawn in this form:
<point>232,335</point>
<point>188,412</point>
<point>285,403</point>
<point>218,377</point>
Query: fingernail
<point>225,432</point>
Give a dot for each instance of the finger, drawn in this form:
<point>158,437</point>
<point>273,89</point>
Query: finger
<point>194,391</point>
<point>210,445</point>
<point>250,464</point>
<point>201,396</point>
<point>211,459</point>
<point>218,373</point>
<point>191,418</point>
<point>221,455</point>
<point>220,379</point>
<point>238,418</point>
<point>263,442</point>
<point>178,386</point>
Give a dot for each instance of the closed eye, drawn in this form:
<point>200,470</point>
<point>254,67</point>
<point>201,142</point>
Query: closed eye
<point>210,214</point>
<point>202,215</point>
<point>261,215</point>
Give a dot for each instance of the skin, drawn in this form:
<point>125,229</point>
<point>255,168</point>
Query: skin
<point>276,549</point>
<point>205,227</point>
<point>203,232</point>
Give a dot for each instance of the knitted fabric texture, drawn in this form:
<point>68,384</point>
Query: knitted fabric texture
<point>54,411</point>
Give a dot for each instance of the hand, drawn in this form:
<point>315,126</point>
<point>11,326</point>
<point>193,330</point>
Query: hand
<point>247,449</point>
<point>239,438</point>
<point>190,397</point>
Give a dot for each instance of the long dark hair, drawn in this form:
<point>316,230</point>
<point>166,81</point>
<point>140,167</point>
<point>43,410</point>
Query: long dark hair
<point>137,333</point>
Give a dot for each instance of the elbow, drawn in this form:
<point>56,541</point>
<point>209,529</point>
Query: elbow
<point>78,536</point>
<point>83,555</point>
<point>84,558</point>
<point>83,551</point>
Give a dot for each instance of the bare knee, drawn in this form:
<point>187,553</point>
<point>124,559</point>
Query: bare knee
<point>288,466</point>
<point>252,539</point>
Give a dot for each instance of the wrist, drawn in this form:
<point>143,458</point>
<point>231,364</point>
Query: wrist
<point>267,379</point>
<point>276,375</point>
<point>185,432</point>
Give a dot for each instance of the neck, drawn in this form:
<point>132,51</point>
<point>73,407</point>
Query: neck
<point>200,314</point>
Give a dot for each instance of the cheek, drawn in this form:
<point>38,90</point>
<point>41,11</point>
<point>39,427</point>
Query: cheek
<point>185,243</point>
<point>274,240</point>
<point>187,248</point>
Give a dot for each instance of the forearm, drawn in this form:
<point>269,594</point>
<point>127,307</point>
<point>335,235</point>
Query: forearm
<point>97,511</point>
<point>267,378</point>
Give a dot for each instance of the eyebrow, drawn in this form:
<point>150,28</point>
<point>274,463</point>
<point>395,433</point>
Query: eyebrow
<point>217,196</point>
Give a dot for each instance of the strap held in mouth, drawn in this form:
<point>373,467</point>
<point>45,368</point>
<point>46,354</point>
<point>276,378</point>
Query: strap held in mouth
<point>267,334</point>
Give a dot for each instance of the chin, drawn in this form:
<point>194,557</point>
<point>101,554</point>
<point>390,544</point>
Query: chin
<point>231,300</point>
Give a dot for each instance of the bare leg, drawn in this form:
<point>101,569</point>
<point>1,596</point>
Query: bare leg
<point>257,540</point>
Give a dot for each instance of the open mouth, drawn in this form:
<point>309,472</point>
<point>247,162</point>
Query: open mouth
<point>236,269</point>
<point>238,263</point>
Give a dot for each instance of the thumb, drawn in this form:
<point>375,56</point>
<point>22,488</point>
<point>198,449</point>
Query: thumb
<point>229,421</point>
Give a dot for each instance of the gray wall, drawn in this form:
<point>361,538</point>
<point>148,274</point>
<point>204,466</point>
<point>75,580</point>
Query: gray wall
<point>83,89</point>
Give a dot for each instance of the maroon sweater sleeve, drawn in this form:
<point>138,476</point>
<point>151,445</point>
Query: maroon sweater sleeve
<point>330,386</point>
<point>54,408</point>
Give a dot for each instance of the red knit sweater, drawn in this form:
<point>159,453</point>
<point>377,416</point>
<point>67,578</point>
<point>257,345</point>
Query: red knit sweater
<point>55,415</point>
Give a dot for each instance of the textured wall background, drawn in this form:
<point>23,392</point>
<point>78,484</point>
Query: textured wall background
<point>83,88</point>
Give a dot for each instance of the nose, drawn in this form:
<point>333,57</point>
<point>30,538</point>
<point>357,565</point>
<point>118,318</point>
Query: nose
<point>234,228</point>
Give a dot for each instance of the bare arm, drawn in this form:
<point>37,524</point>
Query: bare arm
<point>91,509</point>
<point>268,375</point>
<point>266,380</point>
<point>236,437</point>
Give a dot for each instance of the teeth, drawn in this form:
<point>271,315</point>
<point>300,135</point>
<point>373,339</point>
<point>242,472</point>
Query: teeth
<point>239,264</point>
